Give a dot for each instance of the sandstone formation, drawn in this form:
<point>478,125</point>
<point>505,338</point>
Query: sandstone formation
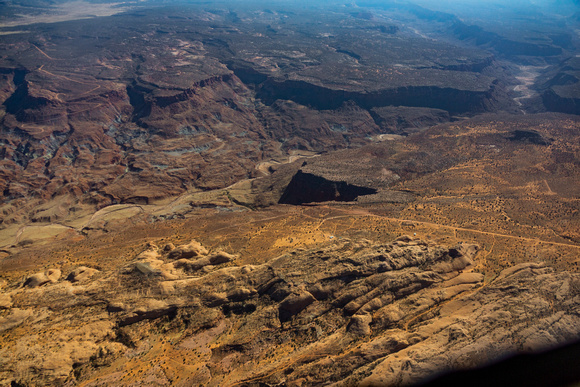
<point>351,312</point>
<point>38,279</point>
<point>81,273</point>
<point>288,193</point>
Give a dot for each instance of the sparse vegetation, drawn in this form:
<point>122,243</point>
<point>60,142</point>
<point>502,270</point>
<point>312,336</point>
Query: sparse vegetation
<point>239,194</point>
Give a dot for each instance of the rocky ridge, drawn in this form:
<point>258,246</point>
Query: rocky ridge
<point>351,312</point>
<point>560,87</point>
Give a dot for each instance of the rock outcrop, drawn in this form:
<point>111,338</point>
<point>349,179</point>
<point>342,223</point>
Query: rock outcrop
<point>347,313</point>
<point>39,279</point>
<point>560,87</point>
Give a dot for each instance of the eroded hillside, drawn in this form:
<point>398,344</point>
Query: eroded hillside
<point>350,312</point>
<point>283,194</point>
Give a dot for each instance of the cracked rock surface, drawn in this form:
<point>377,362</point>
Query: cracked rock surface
<point>347,313</point>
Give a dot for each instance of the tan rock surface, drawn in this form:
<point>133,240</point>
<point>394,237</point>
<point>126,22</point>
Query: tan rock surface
<point>350,312</point>
<point>39,279</point>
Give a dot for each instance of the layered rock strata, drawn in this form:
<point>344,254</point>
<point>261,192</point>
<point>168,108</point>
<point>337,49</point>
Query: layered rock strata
<point>352,312</point>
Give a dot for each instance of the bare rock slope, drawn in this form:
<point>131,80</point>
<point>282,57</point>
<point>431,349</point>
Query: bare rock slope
<point>352,312</point>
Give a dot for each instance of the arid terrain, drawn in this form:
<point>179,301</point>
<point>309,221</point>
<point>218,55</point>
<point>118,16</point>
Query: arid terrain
<point>286,194</point>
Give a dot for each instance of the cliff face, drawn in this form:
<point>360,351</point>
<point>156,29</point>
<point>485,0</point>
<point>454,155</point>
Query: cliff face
<point>559,87</point>
<point>560,93</point>
<point>556,102</point>
<point>455,101</point>
<point>124,140</point>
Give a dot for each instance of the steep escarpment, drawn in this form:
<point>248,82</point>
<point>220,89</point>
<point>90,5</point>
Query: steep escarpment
<point>73,134</point>
<point>352,312</point>
<point>557,101</point>
<point>559,87</point>
<point>373,80</point>
<point>445,98</point>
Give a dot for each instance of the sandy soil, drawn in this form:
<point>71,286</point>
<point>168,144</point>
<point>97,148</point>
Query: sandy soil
<point>73,10</point>
<point>527,77</point>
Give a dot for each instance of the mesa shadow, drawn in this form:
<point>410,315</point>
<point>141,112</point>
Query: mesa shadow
<point>308,188</point>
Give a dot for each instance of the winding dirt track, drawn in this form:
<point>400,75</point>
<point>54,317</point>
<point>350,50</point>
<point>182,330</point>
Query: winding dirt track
<point>42,52</point>
<point>362,213</point>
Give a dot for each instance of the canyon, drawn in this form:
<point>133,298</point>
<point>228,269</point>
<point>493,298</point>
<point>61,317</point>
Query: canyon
<point>251,194</point>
